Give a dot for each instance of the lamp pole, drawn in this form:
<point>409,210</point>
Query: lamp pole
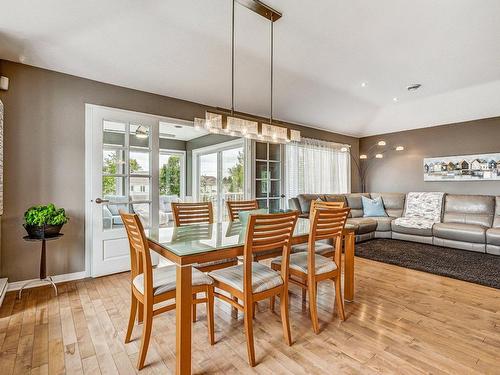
<point>365,160</point>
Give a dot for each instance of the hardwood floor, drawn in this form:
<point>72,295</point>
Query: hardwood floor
<point>402,322</point>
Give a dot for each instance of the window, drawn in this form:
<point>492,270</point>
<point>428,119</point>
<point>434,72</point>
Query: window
<point>268,175</point>
<point>314,166</point>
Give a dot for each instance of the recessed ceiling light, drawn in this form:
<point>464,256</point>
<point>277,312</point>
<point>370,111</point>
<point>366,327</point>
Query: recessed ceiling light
<point>379,156</point>
<point>395,100</point>
<point>381,143</point>
<point>343,149</point>
<point>363,156</point>
<point>364,84</point>
<point>400,148</point>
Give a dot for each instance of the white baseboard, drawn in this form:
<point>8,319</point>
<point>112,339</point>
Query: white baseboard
<point>57,279</point>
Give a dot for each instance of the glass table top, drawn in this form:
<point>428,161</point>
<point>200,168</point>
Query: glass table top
<point>202,238</point>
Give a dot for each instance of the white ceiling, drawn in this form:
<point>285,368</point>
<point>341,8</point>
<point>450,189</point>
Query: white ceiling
<point>322,54</point>
<point>180,132</point>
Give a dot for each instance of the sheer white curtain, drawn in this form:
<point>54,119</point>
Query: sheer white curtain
<point>315,166</point>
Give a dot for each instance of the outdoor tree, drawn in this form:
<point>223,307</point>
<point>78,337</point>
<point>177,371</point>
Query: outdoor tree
<point>170,177</point>
<point>234,182</point>
<point>109,167</point>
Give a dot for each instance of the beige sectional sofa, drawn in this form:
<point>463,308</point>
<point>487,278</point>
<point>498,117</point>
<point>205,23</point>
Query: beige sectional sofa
<point>468,222</point>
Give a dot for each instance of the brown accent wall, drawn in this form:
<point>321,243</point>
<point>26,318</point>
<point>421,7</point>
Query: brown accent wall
<point>45,156</point>
<point>403,172</point>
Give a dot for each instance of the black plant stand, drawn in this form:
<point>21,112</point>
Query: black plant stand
<point>43,263</point>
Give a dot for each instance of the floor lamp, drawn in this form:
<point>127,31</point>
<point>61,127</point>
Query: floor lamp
<point>365,160</point>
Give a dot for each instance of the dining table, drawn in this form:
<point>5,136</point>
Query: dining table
<point>200,243</point>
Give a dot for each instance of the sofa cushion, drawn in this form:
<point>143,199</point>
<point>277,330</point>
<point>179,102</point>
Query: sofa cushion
<point>496,220</point>
<point>383,223</point>
<point>355,204</point>
<point>460,232</point>
<point>363,225</point>
<point>373,207</point>
<point>394,203</point>
<point>335,198</point>
<point>469,209</point>
<point>425,232</point>
<point>305,201</point>
<point>493,236</point>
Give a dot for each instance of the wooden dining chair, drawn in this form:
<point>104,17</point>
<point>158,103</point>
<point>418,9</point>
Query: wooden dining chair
<point>325,248</point>
<point>310,268</point>
<point>252,281</point>
<point>200,213</point>
<point>235,207</point>
<point>151,286</point>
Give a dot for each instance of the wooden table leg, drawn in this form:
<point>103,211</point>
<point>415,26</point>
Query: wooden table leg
<point>183,299</point>
<point>349,267</point>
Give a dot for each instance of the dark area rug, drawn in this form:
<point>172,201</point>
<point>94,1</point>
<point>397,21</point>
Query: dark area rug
<point>464,265</point>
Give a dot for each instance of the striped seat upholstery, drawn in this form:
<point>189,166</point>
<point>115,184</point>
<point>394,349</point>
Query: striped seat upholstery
<point>319,247</point>
<point>263,277</point>
<point>164,280</point>
<point>298,261</point>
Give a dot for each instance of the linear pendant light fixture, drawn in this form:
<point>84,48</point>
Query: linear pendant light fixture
<point>227,122</point>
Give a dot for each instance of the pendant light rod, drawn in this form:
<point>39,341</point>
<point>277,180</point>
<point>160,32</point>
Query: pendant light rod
<point>232,60</point>
<point>262,9</point>
<point>272,68</point>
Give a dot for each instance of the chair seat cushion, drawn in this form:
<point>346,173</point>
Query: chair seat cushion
<point>460,232</point>
<point>362,225</point>
<point>164,280</point>
<point>215,262</point>
<point>298,262</point>
<point>263,277</point>
<point>320,248</point>
<point>493,236</point>
<point>425,232</point>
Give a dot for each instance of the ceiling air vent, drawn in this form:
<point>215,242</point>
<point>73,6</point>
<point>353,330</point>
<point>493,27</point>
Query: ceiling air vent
<point>414,87</point>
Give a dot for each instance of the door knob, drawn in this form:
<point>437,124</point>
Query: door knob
<point>99,200</point>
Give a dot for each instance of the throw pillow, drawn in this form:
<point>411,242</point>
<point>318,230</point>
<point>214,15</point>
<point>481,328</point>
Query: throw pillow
<point>373,207</point>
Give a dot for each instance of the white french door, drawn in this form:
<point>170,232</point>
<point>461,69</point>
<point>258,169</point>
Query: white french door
<point>220,175</point>
<point>122,172</point>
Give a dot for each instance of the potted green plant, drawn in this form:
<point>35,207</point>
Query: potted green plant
<point>44,221</point>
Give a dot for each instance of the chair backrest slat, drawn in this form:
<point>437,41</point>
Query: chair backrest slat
<point>327,223</point>
<point>140,257</point>
<point>192,213</point>
<point>267,232</point>
<point>235,207</point>
<point>322,204</point>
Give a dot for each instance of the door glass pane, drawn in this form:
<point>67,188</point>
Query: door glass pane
<point>113,161</point>
<point>275,189</point>
<point>111,215</point>
<point>114,133</point>
<point>261,151</point>
<point>261,189</point>
<point>170,186</point>
<point>142,210</point>
<point>208,179</point>
<point>232,177</point>
<point>261,169</point>
<point>139,188</point>
<point>139,162</point>
<point>274,151</point>
<point>139,136</point>
<point>274,170</point>
<point>262,203</point>
<point>274,205</point>
<point>114,189</point>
